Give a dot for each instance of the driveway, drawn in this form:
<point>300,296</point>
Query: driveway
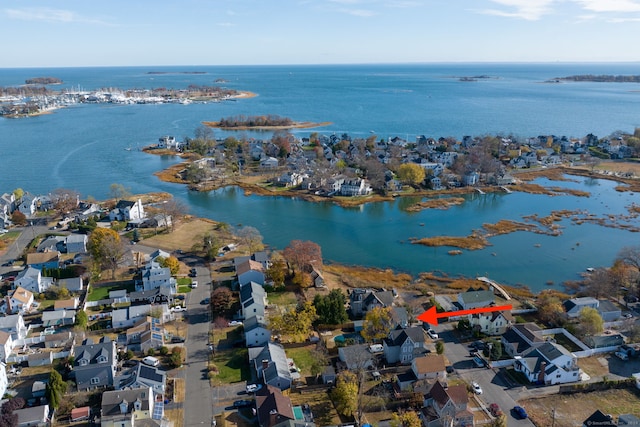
<point>198,408</point>
<point>494,389</point>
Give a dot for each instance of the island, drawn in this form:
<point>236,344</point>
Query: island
<point>43,81</point>
<point>606,78</point>
<point>268,122</point>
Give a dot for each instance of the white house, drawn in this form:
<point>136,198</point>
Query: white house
<point>493,323</point>
<point>6,348</point>
<point>548,363</point>
<point>4,383</point>
<point>256,333</point>
<point>127,210</point>
<point>429,367</point>
<point>574,306</point>
<point>355,187</point>
<point>32,280</point>
<point>76,243</point>
<point>20,301</point>
<point>253,300</point>
<point>14,325</point>
<point>154,277</point>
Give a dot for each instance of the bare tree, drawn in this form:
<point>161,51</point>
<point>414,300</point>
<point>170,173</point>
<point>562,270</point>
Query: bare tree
<point>64,200</point>
<point>251,237</point>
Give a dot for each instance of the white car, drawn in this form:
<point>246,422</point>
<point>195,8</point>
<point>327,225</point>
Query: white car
<point>433,334</point>
<point>252,388</point>
<point>476,388</point>
<point>194,284</point>
<point>178,308</point>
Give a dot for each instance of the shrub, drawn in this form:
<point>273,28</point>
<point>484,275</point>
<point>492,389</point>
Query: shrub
<point>164,350</point>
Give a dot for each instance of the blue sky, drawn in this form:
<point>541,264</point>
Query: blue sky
<point>237,32</point>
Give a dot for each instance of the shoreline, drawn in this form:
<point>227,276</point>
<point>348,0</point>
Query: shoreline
<point>294,125</point>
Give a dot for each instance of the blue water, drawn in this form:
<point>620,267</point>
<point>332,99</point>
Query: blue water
<point>82,147</point>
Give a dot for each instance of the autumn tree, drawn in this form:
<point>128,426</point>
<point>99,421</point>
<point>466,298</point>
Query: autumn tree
<point>172,211</point>
<point>377,324</point>
<point>302,255</point>
<point>209,245</point>
<point>171,262</point>
<point>18,193</point>
<point>64,200</point>
<point>550,308</point>
<point>18,218</point>
<point>222,300</point>
<point>599,283</point>
<point>411,173</point>
<point>331,308</point>
<point>277,272</point>
<point>296,323</point>
<point>106,249</point>
<point>405,419</point>
<point>345,394</point>
<point>590,322</point>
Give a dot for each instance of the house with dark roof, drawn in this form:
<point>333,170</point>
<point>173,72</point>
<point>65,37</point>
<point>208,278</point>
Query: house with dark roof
<point>256,331</point>
<point>399,317</point>
<point>447,403</point>
<point>273,407</point>
<point>357,356</point>
<point>271,365</point>
<point>574,306</point>
<point>363,300</point>
<point>150,376</point>
<point>476,299</point>
<point>403,345</point>
<point>548,363</point>
<point>492,323</point>
<point>608,310</point>
<point>253,300</point>
<point>133,407</point>
<point>520,337</point>
<point>160,295</point>
<point>598,418</point>
<point>95,364</point>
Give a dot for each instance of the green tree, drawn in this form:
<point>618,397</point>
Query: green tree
<point>55,389</point>
<point>106,249</point>
<point>331,308</point>
<point>411,173</point>
<point>439,347</point>
<point>590,322</point>
<point>377,324</point>
<point>82,319</point>
<point>345,394</point>
<point>177,357</point>
<point>18,193</point>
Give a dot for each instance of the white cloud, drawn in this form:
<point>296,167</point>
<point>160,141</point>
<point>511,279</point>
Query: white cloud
<point>530,10</point>
<point>610,5</point>
<point>46,14</point>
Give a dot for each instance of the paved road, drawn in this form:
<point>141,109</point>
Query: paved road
<point>198,408</point>
<point>17,247</point>
<point>493,388</point>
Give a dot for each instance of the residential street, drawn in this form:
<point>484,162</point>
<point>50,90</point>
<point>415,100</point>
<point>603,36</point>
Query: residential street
<point>494,389</point>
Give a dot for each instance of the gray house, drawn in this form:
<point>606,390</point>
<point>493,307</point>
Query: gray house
<point>95,364</point>
<point>76,243</point>
<point>403,345</point>
<point>271,365</point>
<point>608,310</point>
<point>574,306</point>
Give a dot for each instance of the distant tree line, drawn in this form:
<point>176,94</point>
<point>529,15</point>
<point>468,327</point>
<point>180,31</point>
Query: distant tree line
<point>43,81</point>
<point>254,121</point>
<point>602,78</point>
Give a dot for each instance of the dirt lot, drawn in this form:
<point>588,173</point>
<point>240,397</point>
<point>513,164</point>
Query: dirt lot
<point>183,237</point>
<point>573,409</point>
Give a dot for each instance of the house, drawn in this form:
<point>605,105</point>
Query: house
<point>403,345</point>
<point>447,404</point>
<point>152,296</point>
<point>44,358</point>
<point>32,280</point>
<point>363,300</point>
<point>355,187</point>
<point>33,416</point>
<point>66,304</point>
<point>14,325</point>
<point>628,420</point>
<point>269,163</point>
<point>76,243</point>
<point>95,364</point>
<point>317,278</point>
<point>253,300</point>
<point>131,407</point>
<point>609,311</point>
<point>429,367</point>
<point>520,337</point>
<point>128,316</point>
<point>598,418</point>
<point>492,323</point>
<point>574,306</point>
<point>6,347</point>
<point>146,333</point>
<point>154,277</point>
<point>41,260</point>
<point>58,318</point>
<point>602,341</point>
<point>150,376</point>
<point>128,211</point>
<point>51,244</point>
<point>399,317</point>
<point>20,301</point>
<point>4,382</point>
<point>271,365</point>
<point>475,299</point>
<point>548,363</point>
<point>250,271</point>
<point>39,388</point>
<point>357,356</point>
<point>28,204</point>
<point>273,407</point>
<point>72,284</point>
<point>329,375</point>
<point>60,339</point>
<point>256,332</point>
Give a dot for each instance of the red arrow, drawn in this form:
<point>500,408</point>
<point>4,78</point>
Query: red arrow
<point>431,316</point>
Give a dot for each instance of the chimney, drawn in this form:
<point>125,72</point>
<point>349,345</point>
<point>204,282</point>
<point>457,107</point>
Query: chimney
<point>265,363</point>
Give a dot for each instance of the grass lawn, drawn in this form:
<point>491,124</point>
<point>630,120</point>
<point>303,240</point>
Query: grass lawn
<point>102,292</point>
<point>45,304</point>
<point>323,410</point>
<point>183,237</point>
<point>303,358</point>
<point>233,366</point>
<point>594,365</point>
<point>573,409</point>
<point>282,299</point>
<point>184,289</point>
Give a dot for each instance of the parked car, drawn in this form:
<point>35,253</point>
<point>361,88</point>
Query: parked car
<point>205,301</point>
<point>176,340</point>
<point>495,410</point>
<point>235,323</point>
<point>478,345</point>
<point>450,369</point>
<point>630,298</point>
<point>520,412</point>
<point>622,355</point>
<point>252,388</point>
<point>194,284</point>
<point>242,403</point>
<point>476,388</point>
<point>432,334</point>
<point>130,363</point>
<point>177,308</point>
<point>478,361</point>
<point>193,272</point>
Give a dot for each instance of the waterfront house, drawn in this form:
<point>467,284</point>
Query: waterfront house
<point>20,301</point>
<point>355,187</point>
<point>493,323</point>
<point>127,210</point>
<point>574,306</point>
<point>28,204</point>
<point>404,345</point>
<point>475,299</point>
<point>446,405</point>
<point>608,310</point>
<point>95,364</point>
<point>548,363</point>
